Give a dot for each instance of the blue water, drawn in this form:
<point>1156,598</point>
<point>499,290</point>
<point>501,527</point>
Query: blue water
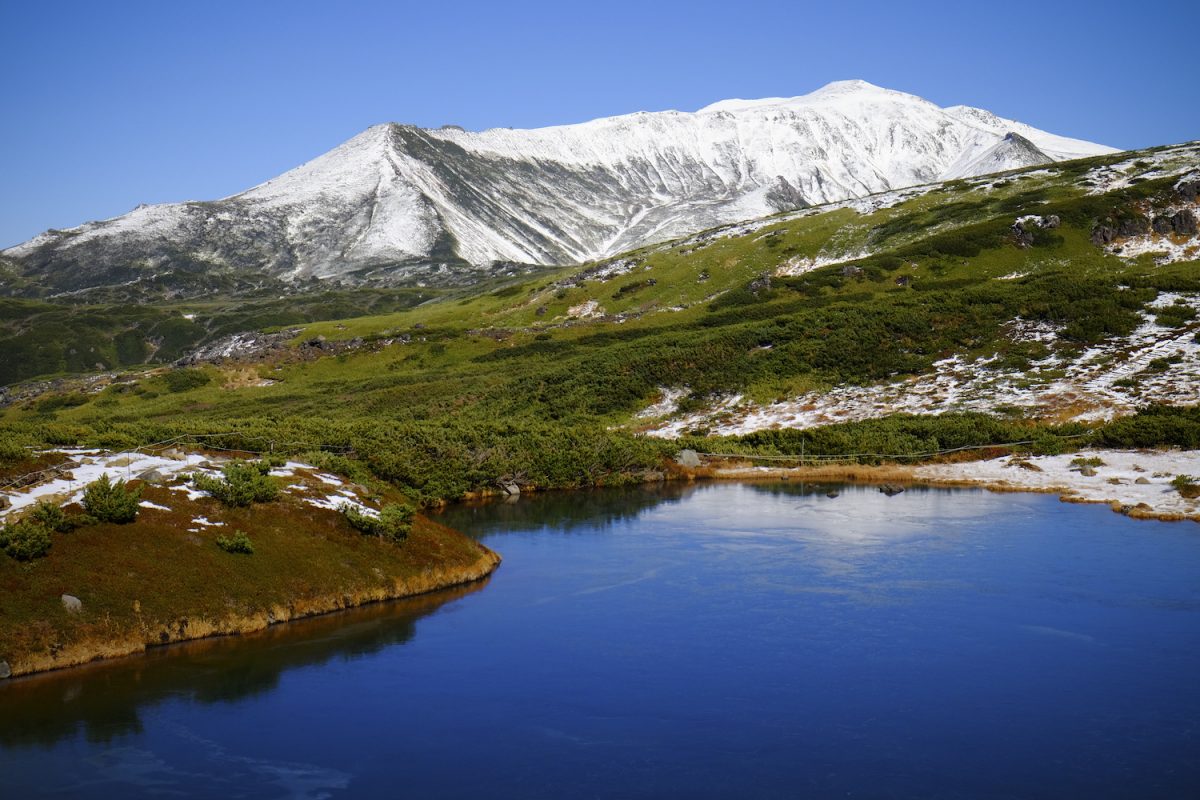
<point>720,641</point>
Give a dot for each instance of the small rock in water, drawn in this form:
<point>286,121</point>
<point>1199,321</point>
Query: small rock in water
<point>72,604</point>
<point>5,670</point>
<point>891,489</point>
<point>832,495</point>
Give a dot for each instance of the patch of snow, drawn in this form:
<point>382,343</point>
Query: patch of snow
<point>798,265</point>
<point>1125,467</point>
<point>206,522</point>
<point>666,404</point>
<point>1107,380</point>
<point>155,506</point>
<point>586,310</point>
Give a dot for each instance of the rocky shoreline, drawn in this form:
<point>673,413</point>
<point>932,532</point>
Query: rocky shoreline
<point>1137,483</point>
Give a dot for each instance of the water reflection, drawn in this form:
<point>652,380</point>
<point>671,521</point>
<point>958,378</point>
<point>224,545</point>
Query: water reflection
<point>106,700</point>
<point>564,512</point>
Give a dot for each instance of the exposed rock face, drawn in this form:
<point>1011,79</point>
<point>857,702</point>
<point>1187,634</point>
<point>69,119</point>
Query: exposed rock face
<point>1133,225</point>
<point>401,205</point>
<point>1184,223</point>
<point>1103,234</point>
<point>1188,187</point>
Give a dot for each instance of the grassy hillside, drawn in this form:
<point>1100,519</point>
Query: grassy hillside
<point>541,382</point>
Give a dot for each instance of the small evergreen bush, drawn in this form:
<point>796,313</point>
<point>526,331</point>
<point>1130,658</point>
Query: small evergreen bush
<point>1187,486</point>
<point>238,542</point>
<point>53,518</point>
<point>243,483</point>
<point>111,502</point>
<point>24,540</point>
<point>393,523</point>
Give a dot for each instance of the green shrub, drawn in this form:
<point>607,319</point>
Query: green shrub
<point>243,483</point>
<point>393,523</point>
<point>111,502</point>
<point>24,540</point>
<point>53,518</point>
<point>1174,316</point>
<point>183,380</point>
<point>1187,486</point>
<point>1093,461</point>
<point>238,542</point>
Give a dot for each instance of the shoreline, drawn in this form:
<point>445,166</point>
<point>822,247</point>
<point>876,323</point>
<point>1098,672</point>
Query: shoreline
<point>187,629</point>
<point>1135,483</point>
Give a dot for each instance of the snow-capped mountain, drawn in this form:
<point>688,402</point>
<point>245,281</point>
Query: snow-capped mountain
<point>399,204</point>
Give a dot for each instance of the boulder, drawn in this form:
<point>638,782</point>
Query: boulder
<point>72,604</point>
<point>1087,472</point>
<point>1023,236</point>
<point>5,670</point>
<point>1051,221</point>
<point>1184,222</point>
<point>510,488</point>
<point>1188,189</point>
<point>153,476</point>
<point>688,458</point>
<point>1142,482</point>
<point>1103,234</point>
<point>1133,225</point>
<point>1162,225</point>
<point>891,489</point>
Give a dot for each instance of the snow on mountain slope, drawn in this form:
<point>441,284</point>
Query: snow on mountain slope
<point>399,204</point>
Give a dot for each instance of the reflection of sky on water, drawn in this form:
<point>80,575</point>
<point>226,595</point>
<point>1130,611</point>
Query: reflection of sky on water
<point>712,640</point>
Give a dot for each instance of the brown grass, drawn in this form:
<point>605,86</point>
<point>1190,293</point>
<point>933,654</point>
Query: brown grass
<point>154,582</point>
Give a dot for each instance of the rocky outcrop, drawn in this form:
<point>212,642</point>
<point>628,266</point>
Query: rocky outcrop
<point>1184,223</point>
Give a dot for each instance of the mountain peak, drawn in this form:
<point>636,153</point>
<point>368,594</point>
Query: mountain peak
<point>400,204</point>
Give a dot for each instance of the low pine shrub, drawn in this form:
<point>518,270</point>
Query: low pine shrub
<point>24,540</point>
<point>106,501</point>
<point>53,518</point>
<point>243,483</point>
<point>1187,486</point>
<point>237,542</point>
<point>393,523</point>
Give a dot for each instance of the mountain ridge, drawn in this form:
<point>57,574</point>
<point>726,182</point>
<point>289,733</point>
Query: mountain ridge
<point>402,205</point>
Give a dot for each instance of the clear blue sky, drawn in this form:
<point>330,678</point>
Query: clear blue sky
<point>111,104</point>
